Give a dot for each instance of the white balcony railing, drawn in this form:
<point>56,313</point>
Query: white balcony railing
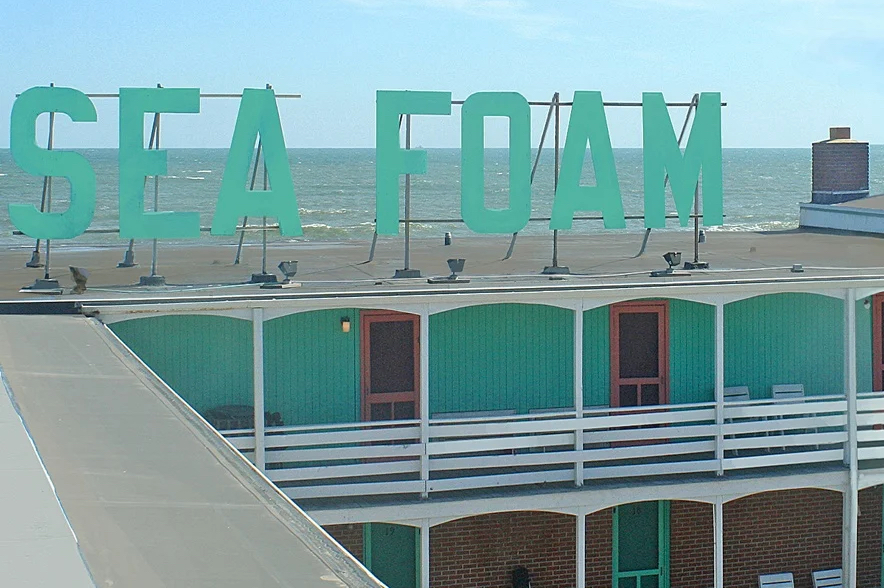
<point>384,458</point>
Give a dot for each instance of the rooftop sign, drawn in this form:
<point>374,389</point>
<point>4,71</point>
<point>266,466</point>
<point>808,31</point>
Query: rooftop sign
<point>258,115</point>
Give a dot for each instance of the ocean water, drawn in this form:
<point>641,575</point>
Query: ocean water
<point>335,191</point>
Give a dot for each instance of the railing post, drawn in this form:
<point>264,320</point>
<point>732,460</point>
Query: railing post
<point>719,385</point>
<point>581,549</point>
<point>851,496</point>
<point>425,397</point>
<point>258,383</point>
<point>578,394</point>
<point>718,519</point>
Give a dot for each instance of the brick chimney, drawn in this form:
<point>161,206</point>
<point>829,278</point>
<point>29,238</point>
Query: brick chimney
<point>840,168</point>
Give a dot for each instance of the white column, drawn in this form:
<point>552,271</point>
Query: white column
<point>425,396</point>
<point>718,516</point>
<point>258,383</point>
<point>719,385</point>
<point>851,496</point>
<point>578,393</point>
<point>581,549</point>
<point>425,553</point>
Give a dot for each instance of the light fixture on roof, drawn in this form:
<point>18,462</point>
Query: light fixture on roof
<point>287,269</point>
<point>673,258</point>
<point>79,275</point>
<point>456,266</point>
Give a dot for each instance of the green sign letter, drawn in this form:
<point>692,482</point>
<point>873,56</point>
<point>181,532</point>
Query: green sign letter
<point>257,114</point>
<point>391,160</point>
<point>472,196</point>
<point>662,155</point>
<point>588,123</point>
<point>136,163</point>
<point>43,162</point>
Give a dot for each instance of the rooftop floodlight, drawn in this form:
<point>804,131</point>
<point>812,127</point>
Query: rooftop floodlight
<point>287,269</point>
<point>79,275</point>
<point>673,258</point>
<point>456,266</point>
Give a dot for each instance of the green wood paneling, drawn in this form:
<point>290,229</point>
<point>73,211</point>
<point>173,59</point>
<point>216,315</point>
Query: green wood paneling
<point>501,356</point>
<point>596,357</point>
<point>691,352</point>
<point>311,367</point>
<point>207,360</point>
<point>787,338</point>
<point>863,348</point>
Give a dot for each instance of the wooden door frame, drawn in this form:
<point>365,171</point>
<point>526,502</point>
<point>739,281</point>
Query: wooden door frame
<point>661,307</point>
<point>366,317</point>
<point>877,342</point>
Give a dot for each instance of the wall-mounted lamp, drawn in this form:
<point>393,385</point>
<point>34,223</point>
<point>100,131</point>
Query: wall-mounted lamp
<point>345,324</point>
<point>867,304</point>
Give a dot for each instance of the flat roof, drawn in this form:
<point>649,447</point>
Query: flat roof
<point>154,495</point>
<point>610,259</point>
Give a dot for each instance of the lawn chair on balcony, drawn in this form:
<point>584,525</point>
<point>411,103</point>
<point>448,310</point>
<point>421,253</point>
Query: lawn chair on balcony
<point>735,394</point>
<point>776,581</point>
<point>789,393</point>
<point>828,579</point>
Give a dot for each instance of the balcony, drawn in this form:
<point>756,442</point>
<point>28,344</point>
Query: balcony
<point>559,448</point>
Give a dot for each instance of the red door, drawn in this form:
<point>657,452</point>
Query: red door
<point>640,353</point>
<point>390,362</point>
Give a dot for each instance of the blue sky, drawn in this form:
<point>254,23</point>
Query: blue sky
<point>788,69</point>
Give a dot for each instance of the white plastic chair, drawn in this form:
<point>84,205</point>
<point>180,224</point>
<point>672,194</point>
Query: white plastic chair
<point>828,579</point>
<point>776,581</point>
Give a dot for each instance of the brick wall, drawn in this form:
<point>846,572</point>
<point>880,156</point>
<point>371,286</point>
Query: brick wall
<point>599,530</point>
<point>482,551</point>
<point>869,538</point>
<point>350,536</point>
<point>787,531</point>
<point>691,545</point>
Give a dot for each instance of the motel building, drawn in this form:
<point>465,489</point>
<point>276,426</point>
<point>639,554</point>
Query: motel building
<point>599,430</point>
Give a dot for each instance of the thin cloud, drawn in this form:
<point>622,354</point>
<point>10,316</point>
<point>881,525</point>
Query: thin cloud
<point>516,15</point>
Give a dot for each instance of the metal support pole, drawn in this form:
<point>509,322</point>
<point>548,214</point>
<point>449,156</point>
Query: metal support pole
<point>719,385</point>
<point>424,400</point>
<point>425,553</point>
<point>581,550</point>
<point>555,268</point>
<point>129,256</point>
<point>245,220</point>
<point>258,384</point>
<point>46,284</point>
<point>407,271</point>
<point>154,279</point>
<point>718,518</point>
<point>684,127</point>
<point>549,113</point>
<point>48,183</point>
<point>578,394</point>
<point>264,229</point>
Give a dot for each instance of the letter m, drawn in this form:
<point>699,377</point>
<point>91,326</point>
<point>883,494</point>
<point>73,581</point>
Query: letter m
<point>662,155</point>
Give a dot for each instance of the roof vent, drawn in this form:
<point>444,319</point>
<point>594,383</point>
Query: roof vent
<point>836,133</point>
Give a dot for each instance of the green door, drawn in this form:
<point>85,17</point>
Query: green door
<point>641,545</point>
<point>391,553</point>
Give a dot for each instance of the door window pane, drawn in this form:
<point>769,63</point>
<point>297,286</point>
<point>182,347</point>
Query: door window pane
<point>382,411</point>
<point>403,410</point>
<point>391,356</point>
<point>629,395</point>
<point>639,345</point>
<point>650,394</point>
